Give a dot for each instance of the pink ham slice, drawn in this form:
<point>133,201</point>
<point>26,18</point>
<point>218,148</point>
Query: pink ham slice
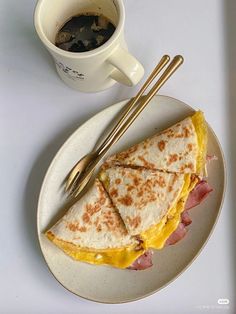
<point>185,218</point>
<point>177,235</point>
<point>211,158</point>
<point>181,231</point>
<point>198,194</point>
<point>142,262</point>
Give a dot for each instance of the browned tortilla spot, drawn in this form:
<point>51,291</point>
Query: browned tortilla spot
<point>136,181</point>
<point>86,217</point>
<point>189,166</point>
<point>170,188</point>
<point>172,158</point>
<point>130,188</point>
<point>140,193</point>
<point>92,209</point>
<point>99,228</point>
<point>187,132</point>
<point>134,222</point>
<point>190,147</point>
<point>114,193</point>
<point>75,227</point>
<point>161,181</point>
<point>146,164</point>
<point>126,200</point>
<point>161,145</point>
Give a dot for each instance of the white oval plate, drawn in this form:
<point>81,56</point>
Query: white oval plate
<point>104,283</point>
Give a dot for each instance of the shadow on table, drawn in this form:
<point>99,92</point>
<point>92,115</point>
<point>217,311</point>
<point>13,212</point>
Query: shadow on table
<point>230,46</point>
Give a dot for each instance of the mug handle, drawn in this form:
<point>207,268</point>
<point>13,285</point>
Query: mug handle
<point>129,70</point>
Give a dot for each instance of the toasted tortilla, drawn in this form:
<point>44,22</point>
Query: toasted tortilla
<point>178,149</point>
<point>93,223</point>
<point>142,196</point>
<point>92,231</point>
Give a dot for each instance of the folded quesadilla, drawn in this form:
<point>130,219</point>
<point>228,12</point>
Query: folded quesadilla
<point>179,149</point>
<point>150,202</point>
<point>138,200</point>
<point>175,157</point>
<point>92,231</point>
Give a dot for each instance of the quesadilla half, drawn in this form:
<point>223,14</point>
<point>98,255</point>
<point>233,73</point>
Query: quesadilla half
<point>150,202</point>
<point>92,231</point>
<point>178,149</point>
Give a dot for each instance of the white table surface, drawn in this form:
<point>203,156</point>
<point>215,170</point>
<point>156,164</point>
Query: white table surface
<point>38,112</point>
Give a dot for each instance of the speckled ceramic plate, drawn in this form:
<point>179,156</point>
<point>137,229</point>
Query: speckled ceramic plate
<point>107,284</point>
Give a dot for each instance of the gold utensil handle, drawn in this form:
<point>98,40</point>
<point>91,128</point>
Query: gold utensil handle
<point>173,66</point>
<point>75,172</point>
<point>164,60</point>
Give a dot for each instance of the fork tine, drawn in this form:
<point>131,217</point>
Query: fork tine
<point>71,187</point>
<point>80,187</point>
<point>72,175</point>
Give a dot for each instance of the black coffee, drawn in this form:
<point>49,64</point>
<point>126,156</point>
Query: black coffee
<point>84,32</point>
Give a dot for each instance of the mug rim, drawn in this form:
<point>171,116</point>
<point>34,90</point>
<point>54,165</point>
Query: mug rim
<point>78,55</point>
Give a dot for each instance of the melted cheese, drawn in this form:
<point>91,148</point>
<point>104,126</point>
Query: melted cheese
<point>156,236</point>
<point>121,258</point>
<point>201,131</point>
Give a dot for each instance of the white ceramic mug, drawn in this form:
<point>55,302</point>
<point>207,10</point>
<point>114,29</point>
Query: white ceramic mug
<point>97,69</point>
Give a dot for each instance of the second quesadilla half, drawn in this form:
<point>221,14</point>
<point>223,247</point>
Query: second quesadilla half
<point>180,149</point>
<point>149,202</point>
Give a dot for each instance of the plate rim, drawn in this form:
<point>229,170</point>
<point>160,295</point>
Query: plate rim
<point>55,157</point>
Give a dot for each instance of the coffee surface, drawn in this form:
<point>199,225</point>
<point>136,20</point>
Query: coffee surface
<point>84,32</point>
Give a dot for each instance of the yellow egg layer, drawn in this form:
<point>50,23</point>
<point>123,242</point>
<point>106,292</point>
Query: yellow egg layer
<point>201,131</point>
<point>121,257</point>
<point>156,236</point>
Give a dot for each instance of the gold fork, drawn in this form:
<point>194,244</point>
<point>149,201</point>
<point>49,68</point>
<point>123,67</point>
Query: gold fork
<point>83,170</point>
<point>77,170</point>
